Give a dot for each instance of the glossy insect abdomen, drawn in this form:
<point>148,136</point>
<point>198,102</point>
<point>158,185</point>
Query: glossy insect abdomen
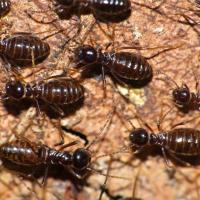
<point>20,48</point>
<point>129,66</point>
<point>20,152</point>
<point>110,10</point>
<point>4,7</point>
<point>64,91</point>
<point>183,141</point>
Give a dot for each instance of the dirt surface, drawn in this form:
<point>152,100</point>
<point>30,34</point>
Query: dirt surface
<point>153,26</point>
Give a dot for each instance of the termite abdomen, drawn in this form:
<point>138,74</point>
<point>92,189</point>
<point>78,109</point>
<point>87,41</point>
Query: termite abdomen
<point>4,7</point>
<point>111,11</point>
<point>183,141</point>
<point>128,65</point>
<point>59,91</point>
<point>22,48</point>
<point>19,152</point>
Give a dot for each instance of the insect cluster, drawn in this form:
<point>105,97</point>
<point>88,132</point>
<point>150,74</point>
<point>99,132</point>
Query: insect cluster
<point>26,50</point>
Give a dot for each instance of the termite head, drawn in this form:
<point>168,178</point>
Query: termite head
<point>85,54</point>
<point>81,159</point>
<point>139,137</point>
<point>14,89</point>
<point>181,95</point>
<point>63,8</point>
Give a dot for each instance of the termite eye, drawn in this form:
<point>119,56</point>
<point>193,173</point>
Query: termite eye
<point>181,95</point>
<point>14,89</point>
<point>81,159</point>
<point>139,137</point>
<point>85,54</point>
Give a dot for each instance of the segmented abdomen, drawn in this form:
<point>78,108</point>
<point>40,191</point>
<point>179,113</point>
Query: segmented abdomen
<point>183,141</point>
<point>4,7</point>
<point>20,48</point>
<point>110,10</point>
<point>59,91</point>
<point>129,66</point>
<point>20,152</point>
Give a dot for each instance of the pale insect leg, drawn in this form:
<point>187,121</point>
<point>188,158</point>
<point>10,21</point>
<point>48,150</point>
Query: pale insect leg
<point>136,181</point>
<point>42,21</point>
<point>184,122</point>
<point>106,179</point>
<point>33,68</point>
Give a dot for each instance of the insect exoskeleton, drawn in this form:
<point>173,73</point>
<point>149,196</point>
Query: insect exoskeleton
<point>124,65</point>
<point>5,7</point>
<point>58,91</point>
<point>179,141</point>
<point>106,11</point>
<point>23,48</point>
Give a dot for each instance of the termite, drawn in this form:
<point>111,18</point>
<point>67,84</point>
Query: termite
<point>27,153</point>
<point>125,65</point>
<point>54,91</point>
<point>5,6</point>
<point>182,95</point>
<point>23,48</point>
<point>177,141</point>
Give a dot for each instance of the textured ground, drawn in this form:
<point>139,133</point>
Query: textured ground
<point>147,28</point>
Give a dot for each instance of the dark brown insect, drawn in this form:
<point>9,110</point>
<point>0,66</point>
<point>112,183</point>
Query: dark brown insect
<point>27,153</point>
<point>103,10</point>
<point>58,91</point>
<point>179,141</point>
<point>23,48</point>
<point>5,7</point>
<point>125,65</point>
<point>183,97</point>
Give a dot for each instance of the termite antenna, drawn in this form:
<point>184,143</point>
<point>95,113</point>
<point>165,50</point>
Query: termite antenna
<point>102,130</point>
<point>106,179</point>
<point>124,149</point>
<point>166,49</point>
<point>167,78</point>
<point>136,182</point>
<point>111,176</point>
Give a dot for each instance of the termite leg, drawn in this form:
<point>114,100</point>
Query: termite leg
<point>166,159</point>
<point>184,122</point>
<point>58,126</point>
<point>68,145</point>
<point>104,82</point>
<point>179,160</point>
<point>162,117</point>
<point>106,179</point>
<point>45,176</point>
